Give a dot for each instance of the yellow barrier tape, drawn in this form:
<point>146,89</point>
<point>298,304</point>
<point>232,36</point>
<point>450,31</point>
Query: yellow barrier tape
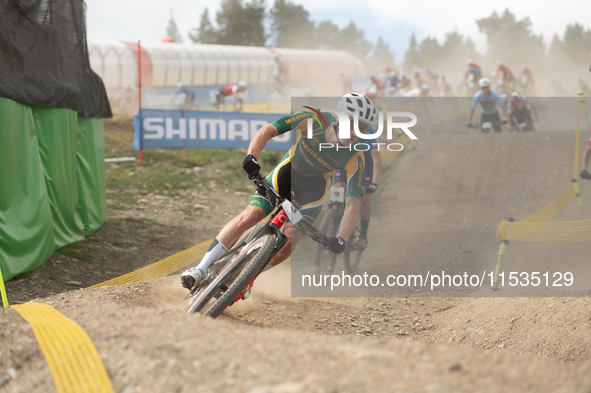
<point>553,208</point>
<point>518,230</point>
<point>559,231</point>
<point>162,268</point>
<point>72,357</point>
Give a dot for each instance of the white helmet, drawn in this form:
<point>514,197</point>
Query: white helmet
<point>179,85</point>
<point>499,63</point>
<point>523,66</point>
<point>469,61</point>
<point>354,103</point>
<point>484,82</point>
<point>425,87</point>
<point>516,95</point>
<point>242,84</point>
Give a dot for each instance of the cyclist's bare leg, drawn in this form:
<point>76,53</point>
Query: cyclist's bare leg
<point>294,236</point>
<point>365,207</point>
<point>242,222</point>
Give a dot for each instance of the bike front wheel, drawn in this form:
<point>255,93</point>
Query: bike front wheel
<point>256,256</point>
<point>352,260</point>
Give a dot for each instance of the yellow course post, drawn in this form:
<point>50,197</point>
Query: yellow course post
<point>576,164</point>
<point>3,290</point>
<point>499,267</point>
<point>579,199</point>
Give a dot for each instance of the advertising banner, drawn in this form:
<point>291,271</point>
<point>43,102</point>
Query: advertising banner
<point>175,129</point>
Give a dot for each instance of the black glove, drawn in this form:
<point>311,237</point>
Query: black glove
<point>336,244</point>
<point>251,166</point>
<point>470,125</point>
<point>373,187</point>
<point>585,175</point>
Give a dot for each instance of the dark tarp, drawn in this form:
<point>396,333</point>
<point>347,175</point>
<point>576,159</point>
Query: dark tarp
<point>44,57</point>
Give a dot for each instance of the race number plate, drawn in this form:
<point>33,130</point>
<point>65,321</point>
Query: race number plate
<point>487,125</point>
<point>337,194</point>
<point>294,215</point>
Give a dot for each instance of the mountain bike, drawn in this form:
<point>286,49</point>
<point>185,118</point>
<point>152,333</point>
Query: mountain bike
<point>231,277</point>
<point>325,260</point>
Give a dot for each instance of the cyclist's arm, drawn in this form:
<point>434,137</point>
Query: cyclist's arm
<point>472,108</point>
<point>260,139</point>
<point>377,165</point>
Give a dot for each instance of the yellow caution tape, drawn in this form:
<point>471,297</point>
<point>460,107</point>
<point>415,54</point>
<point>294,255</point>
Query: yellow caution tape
<point>72,357</point>
<point>162,268</point>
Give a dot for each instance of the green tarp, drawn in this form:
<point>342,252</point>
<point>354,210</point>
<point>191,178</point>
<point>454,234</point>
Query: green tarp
<point>57,131</point>
<point>52,182</point>
<point>91,173</point>
<point>26,225</point>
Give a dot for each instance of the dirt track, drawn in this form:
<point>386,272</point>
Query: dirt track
<point>445,199</point>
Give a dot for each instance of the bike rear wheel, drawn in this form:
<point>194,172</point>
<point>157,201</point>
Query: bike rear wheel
<point>257,254</point>
<point>325,259</point>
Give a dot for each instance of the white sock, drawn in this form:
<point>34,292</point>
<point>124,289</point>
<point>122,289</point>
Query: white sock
<point>268,267</point>
<point>214,252</point>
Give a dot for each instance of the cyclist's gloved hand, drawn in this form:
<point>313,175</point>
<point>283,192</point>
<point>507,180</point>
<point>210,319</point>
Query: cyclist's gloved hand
<point>251,166</point>
<point>470,125</point>
<point>336,244</point>
<point>585,175</point>
<point>373,187</point>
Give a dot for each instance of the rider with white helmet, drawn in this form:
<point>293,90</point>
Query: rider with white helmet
<point>489,100</point>
<point>189,102</point>
<point>305,170</point>
<point>233,91</point>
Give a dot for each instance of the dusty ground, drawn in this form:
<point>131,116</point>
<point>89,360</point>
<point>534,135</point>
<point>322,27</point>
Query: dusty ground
<point>442,201</point>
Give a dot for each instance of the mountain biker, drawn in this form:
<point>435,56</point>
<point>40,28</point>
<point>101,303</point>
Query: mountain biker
<point>279,72</point>
<point>305,170</point>
<point>519,110</point>
<point>488,99</point>
<point>371,176</point>
<point>473,73</point>
<point>230,90</point>
<point>504,72</point>
<point>527,72</point>
<point>189,93</point>
<point>585,162</point>
<point>392,84</point>
<point>473,64</point>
